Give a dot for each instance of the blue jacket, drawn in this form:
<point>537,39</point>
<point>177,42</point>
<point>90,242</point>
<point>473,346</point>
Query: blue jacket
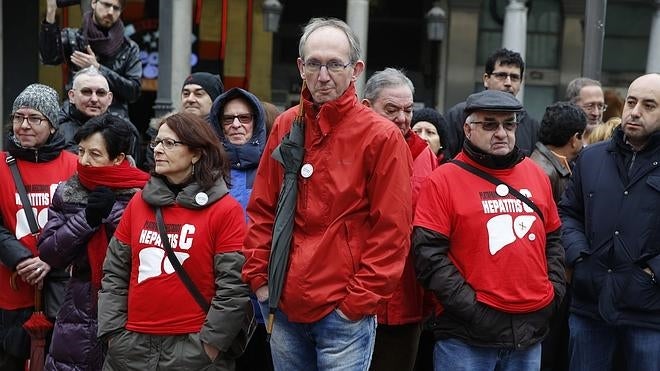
<point>611,231</point>
<point>244,158</point>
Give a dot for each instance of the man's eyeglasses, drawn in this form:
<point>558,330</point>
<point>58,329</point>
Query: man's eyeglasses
<point>18,119</point>
<point>591,106</point>
<point>243,118</point>
<point>87,92</point>
<point>109,6</point>
<point>503,75</point>
<point>167,143</point>
<point>332,66</point>
<point>494,125</point>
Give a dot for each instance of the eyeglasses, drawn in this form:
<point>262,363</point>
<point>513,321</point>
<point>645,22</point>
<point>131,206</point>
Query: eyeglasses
<point>18,119</point>
<point>591,106</point>
<point>503,75</point>
<point>109,6</point>
<point>87,92</point>
<point>167,143</point>
<point>332,66</point>
<point>494,125</point>
<point>243,118</point>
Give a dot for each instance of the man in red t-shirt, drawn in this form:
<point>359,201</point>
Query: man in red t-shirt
<point>489,249</point>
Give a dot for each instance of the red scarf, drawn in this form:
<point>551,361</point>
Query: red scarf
<point>415,143</point>
<point>122,176</point>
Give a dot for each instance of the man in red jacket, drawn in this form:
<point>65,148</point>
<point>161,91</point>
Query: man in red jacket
<point>352,218</point>
<point>390,93</point>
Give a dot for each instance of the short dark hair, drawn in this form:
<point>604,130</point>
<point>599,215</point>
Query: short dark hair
<point>560,122</point>
<point>115,131</point>
<point>505,57</point>
<point>197,134</point>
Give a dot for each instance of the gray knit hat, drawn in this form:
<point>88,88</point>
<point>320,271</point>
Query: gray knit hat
<point>42,98</point>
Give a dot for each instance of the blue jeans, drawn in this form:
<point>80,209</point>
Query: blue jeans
<point>455,355</point>
<point>593,344</point>
<point>332,343</point>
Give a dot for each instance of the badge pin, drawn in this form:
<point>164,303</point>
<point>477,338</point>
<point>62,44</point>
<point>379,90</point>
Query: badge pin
<point>502,190</point>
<point>201,198</point>
<point>307,170</point>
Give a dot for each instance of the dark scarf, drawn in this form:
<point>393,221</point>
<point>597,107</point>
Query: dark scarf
<point>493,161</point>
<point>48,152</point>
<point>121,176</point>
<point>104,42</point>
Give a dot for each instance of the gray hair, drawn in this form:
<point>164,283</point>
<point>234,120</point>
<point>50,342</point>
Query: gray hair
<point>87,71</point>
<point>574,87</point>
<point>389,77</point>
<point>316,23</point>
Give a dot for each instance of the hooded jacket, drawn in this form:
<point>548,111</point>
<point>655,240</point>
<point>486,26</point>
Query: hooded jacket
<point>121,310</point>
<point>352,225</point>
<point>244,158</point>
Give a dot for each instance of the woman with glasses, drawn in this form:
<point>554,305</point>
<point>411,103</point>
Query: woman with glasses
<point>83,216</point>
<point>239,120</point>
<point>151,319</point>
<point>38,151</point>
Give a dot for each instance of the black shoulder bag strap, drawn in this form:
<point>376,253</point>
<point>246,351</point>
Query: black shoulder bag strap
<point>22,193</point>
<point>482,174</point>
<point>183,275</point>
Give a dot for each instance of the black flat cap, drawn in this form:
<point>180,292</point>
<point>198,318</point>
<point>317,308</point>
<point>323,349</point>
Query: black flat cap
<point>492,100</point>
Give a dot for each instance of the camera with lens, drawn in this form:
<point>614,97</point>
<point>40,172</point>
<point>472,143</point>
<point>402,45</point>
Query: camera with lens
<point>73,41</point>
<point>65,3</point>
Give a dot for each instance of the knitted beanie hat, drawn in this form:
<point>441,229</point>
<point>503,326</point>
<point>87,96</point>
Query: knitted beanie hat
<point>209,82</point>
<point>42,98</point>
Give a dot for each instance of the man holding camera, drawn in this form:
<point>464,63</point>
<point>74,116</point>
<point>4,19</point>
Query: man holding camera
<point>101,43</point>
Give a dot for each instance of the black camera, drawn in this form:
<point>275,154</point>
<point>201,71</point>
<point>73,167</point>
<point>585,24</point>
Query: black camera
<point>65,3</point>
<point>73,41</point>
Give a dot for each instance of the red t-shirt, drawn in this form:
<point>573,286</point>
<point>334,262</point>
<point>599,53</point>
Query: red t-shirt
<point>158,301</point>
<point>496,241</point>
<point>41,180</point>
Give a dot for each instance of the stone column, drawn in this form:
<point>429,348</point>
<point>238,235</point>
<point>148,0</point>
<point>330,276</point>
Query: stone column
<point>357,17</point>
<point>653,59</point>
<point>594,36</point>
<point>514,34</point>
<point>175,36</point>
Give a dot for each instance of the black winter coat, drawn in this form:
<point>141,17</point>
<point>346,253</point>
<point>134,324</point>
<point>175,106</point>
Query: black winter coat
<point>123,71</point>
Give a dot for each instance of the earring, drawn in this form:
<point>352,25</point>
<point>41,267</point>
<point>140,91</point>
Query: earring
<point>193,168</point>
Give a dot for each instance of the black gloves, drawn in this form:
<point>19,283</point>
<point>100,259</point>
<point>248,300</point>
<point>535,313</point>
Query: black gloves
<point>99,205</point>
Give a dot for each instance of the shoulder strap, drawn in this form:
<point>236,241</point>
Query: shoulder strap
<point>22,193</point>
<point>482,174</point>
<point>183,275</point>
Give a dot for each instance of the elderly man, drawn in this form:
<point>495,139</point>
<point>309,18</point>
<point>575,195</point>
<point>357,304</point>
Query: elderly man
<point>351,219</point>
<point>486,241</point>
<point>504,71</point>
<point>390,93</point>
<point>588,95</point>
<point>90,96</point>
<point>610,230</point>
<point>100,43</point>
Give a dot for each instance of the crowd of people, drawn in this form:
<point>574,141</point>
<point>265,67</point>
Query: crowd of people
<point>341,234</point>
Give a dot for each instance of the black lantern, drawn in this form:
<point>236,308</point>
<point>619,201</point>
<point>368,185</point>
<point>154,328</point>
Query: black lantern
<point>435,23</point>
<point>272,10</point>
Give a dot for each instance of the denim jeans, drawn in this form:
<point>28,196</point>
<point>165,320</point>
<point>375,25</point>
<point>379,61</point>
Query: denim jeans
<point>455,355</point>
<point>593,344</point>
<point>332,343</point>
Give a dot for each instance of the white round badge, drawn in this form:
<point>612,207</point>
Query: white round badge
<point>307,170</point>
<point>502,190</point>
<point>201,198</point>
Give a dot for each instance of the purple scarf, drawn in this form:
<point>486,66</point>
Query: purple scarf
<point>104,43</point>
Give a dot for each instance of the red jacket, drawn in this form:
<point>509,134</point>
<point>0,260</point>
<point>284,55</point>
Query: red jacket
<point>407,302</point>
<point>352,225</point>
